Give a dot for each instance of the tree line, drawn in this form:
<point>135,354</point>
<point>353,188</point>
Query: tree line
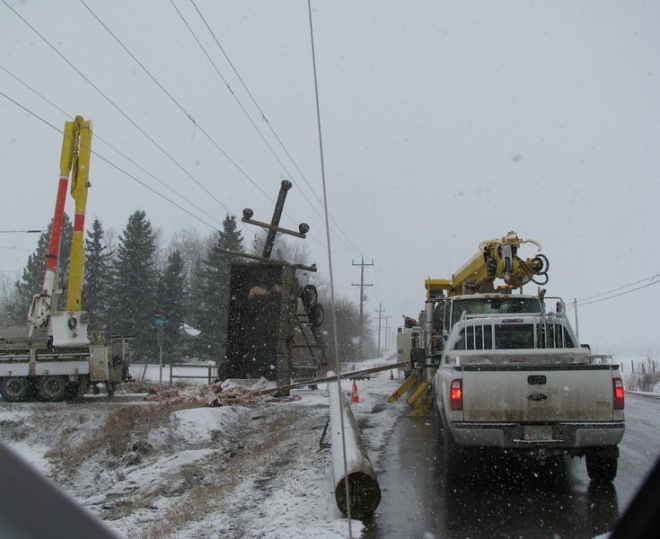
<point>132,283</point>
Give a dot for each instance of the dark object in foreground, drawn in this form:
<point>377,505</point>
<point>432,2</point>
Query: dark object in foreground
<point>31,506</point>
<point>642,517</point>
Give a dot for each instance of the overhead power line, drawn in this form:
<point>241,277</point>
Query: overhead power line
<point>186,113</point>
<point>626,290</point>
<point>117,167</point>
<point>348,242</point>
<point>180,107</point>
<point>97,136</point>
<point>116,107</point>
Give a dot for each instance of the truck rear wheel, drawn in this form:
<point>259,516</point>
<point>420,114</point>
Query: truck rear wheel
<point>15,389</point>
<point>601,468</point>
<point>453,457</point>
<point>53,388</point>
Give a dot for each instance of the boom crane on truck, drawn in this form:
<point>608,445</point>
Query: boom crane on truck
<point>473,290</point>
<point>67,328</point>
<point>496,259</point>
<point>53,358</point>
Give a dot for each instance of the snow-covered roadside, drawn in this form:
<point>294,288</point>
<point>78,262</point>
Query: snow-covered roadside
<point>239,471</point>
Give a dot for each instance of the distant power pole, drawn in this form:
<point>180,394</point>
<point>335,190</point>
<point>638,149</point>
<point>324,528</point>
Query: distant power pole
<point>361,285</point>
<point>387,331</point>
<point>380,312</point>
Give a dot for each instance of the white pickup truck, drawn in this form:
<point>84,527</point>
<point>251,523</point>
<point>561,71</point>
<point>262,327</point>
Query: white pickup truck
<point>523,384</point>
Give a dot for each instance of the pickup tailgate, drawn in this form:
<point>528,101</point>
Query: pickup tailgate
<point>537,394</point>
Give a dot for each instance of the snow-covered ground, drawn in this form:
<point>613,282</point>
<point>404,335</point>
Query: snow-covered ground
<point>157,467</point>
<point>179,468</point>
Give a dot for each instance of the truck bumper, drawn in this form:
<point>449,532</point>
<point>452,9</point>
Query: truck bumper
<point>562,436</point>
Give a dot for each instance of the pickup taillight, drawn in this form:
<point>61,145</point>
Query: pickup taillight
<point>456,395</point>
<point>619,398</point>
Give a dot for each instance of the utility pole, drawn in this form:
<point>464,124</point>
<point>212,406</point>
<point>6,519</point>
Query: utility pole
<point>380,312</point>
<point>361,285</point>
<point>160,322</point>
<point>387,331</point>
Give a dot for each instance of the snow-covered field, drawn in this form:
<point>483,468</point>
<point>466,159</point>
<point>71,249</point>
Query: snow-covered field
<point>157,467</point>
<point>179,468</point>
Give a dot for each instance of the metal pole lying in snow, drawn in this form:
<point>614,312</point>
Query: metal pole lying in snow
<point>363,488</point>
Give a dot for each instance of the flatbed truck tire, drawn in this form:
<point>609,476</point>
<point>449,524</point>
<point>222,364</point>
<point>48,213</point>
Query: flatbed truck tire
<point>15,388</point>
<point>53,388</point>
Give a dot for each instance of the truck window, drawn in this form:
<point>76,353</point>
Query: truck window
<point>516,336</point>
<point>507,305</point>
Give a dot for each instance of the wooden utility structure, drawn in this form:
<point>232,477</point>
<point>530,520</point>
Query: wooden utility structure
<point>273,320</point>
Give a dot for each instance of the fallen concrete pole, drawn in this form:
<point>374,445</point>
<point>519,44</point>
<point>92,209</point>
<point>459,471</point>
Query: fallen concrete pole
<point>363,488</point>
<point>330,377</point>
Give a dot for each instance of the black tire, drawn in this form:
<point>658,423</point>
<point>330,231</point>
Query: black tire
<point>601,469</point>
<point>15,389</point>
<point>53,388</point>
<point>310,296</point>
<point>451,454</point>
<point>317,315</point>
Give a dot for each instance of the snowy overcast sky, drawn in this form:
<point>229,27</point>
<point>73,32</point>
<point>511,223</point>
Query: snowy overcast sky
<point>444,124</point>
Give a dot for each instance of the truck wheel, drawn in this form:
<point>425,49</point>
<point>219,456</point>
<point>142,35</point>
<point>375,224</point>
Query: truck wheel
<point>53,388</point>
<point>15,389</point>
<point>601,469</point>
<point>452,463</point>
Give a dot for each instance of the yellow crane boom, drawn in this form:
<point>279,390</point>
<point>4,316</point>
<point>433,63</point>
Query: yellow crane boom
<point>497,259</point>
<point>67,328</point>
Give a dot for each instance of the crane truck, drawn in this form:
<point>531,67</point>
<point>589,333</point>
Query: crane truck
<point>473,289</point>
<point>521,385</point>
<point>506,371</point>
<point>53,357</point>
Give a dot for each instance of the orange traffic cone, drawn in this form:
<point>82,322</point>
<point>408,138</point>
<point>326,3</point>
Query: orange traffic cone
<point>354,395</point>
<point>391,375</point>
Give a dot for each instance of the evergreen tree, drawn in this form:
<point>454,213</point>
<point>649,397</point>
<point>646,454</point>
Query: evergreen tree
<point>172,293</point>
<point>32,280</point>
<point>133,303</point>
<point>213,292</point>
<point>193,249</point>
<point>98,277</point>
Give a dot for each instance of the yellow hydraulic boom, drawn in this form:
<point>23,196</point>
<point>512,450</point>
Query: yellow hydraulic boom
<point>497,259</point>
<point>68,328</point>
<point>76,153</point>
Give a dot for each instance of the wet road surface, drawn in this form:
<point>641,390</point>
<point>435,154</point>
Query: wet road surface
<point>505,497</point>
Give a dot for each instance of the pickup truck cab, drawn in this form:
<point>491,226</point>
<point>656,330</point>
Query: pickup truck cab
<point>523,384</point>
